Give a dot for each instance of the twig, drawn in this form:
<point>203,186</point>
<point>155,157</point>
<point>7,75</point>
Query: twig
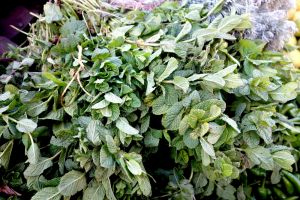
<point>76,76</point>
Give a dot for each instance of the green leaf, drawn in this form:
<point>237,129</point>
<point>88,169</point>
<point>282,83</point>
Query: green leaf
<point>106,158</point>
<point>172,118</point>
<point>121,31</point>
<point>205,34</point>
<point>227,169</point>
<point>249,47</point>
<point>159,106</point>
<point>52,12</point>
<point>261,122</point>
<point>73,27</point>
<point>265,133</point>
<point>150,83</point>
<point>5,96</point>
<point>71,183</point>
<point>228,23</point>
<point>251,139</point>
<point>5,153</point>
<point>93,132</point>
<point>152,24</point>
<point>100,105</point>
<point>171,67</point>
<point>108,190</point>
<point>100,54</point>
<point>153,56</point>
<point>151,139</point>
<point>285,93</point>
<point>207,147</point>
<point>35,109</point>
<point>106,112</point>
<point>187,27</point>
<point>214,112</point>
<point>260,156</point>
<point>111,145</point>
<point>111,97</point>
<point>144,184</point>
<point>134,167</point>
<point>33,153</point>
<point>230,122</point>
<point>284,159</point>
<point>227,192</point>
<point>155,37</point>
<point>205,158</point>
<point>194,117</point>
<point>53,78</point>
<point>182,83</point>
<point>3,109</point>
<point>94,193</point>
<point>38,168</point>
<point>215,132</point>
<point>193,15</point>
<point>233,81</point>
<point>48,193</point>
<point>228,70</point>
<point>26,125</point>
<point>189,141</point>
<point>123,125</point>
<point>183,125</point>
<point>214,81</point>
<point>55,115</point>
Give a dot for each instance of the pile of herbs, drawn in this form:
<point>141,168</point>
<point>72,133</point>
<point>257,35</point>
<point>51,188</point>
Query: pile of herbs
<point>103,103</point>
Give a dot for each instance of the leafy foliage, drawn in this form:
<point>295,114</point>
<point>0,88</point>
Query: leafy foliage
<point>102,110</point>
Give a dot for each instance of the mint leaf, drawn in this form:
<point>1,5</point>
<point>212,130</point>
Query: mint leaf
<point>285,93</point>
<point>134,167</point>
<point>33,153</point>
<point>26,125</point>
<point>207,147</point>
<point>52,12</point>
<point>284,159</point>
<point>71,183</point>
<point>171,67</point>
<point>5,153</point>
<point>123,125</point>
<point>260,156</point>
<point>48,193</point>
<point>182,83</point>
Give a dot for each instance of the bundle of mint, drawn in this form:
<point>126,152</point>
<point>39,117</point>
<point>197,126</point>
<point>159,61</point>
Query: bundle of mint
<point>109,104</point>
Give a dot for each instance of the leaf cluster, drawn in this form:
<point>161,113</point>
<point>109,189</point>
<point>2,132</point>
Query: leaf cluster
<point>115,90</point>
